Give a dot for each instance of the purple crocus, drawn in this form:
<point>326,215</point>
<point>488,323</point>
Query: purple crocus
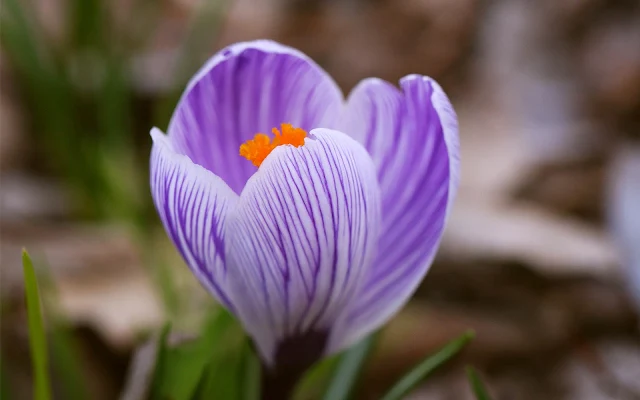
<point>329,237</point>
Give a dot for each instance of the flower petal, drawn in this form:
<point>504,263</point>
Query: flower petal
<point>302,238</point>
<point>193,205</point>
<point>245,89</point>
<point>412,136</point>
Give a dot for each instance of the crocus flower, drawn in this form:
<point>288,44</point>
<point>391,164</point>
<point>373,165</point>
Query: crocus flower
<point>317,235</point>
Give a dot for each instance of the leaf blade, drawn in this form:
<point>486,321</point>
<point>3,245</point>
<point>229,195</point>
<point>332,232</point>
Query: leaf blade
<point>64,351</point>
<point>250,373</point>
<point>223,376</point>
<point>182,366</point>
<point>37,336</point>
<point>478,388</point>
<point>349,367</point>
<point>427,366</point>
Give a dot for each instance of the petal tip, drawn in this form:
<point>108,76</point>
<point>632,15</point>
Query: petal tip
<point>374,81</point>
<point>156,133</point>
<point>413,77</point>
<point>159,138</point>
<point>369,84</point>
<point>237,49</point>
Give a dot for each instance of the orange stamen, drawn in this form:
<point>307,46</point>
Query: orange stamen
<point>258,148</point>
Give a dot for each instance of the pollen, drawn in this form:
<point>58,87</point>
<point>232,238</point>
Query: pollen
<point>258,148</point>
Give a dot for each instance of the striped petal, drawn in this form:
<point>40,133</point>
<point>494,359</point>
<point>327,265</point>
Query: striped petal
<point>245,89</point>
<point>302,238</point>
<point>193,205</point>
<point>412,136</point>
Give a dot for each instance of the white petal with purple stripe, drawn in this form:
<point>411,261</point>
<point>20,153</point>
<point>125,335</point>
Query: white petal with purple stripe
<point>302,238</point>
<point>193,205</point>
<point>412,136</point>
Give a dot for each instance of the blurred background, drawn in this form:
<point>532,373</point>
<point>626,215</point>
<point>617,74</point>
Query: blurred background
<point>542,252</point>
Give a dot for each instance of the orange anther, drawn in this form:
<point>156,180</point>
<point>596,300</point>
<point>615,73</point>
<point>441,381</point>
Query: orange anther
<point>258,148</point>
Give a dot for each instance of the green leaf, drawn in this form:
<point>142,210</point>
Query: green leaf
<point>250,373</point>
<point>221,379</point>
<point>315,382</point>
<point>426,367</point>
<point>37,335</point>
<point>143,367</point>
<point>65,357</point>
<point>476,384</point>
<point>66,361</point>
<point>233,372</point>
<point>181,367</point>
<point>348,370</point>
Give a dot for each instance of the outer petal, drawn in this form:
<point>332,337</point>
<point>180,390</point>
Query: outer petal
<point>302,239</point>
<point>245,89</point>
<point>193,205</point>
<point>412,137</point>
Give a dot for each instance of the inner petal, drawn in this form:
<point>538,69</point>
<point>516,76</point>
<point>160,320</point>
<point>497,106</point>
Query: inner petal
<point>247,88</point>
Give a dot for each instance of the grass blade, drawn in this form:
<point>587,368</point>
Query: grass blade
<point>477,386</point>
<point>233,371</point>
<point>64,351</point>
<point>348,370</point>
<point>144,365</point>
<point>426,367</point>
<point>37,336</point>
<point>250,373</point>
<point>182,366</point>
<point>315,382</point>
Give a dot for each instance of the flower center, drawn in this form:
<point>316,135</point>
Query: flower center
<point>258,148</point>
